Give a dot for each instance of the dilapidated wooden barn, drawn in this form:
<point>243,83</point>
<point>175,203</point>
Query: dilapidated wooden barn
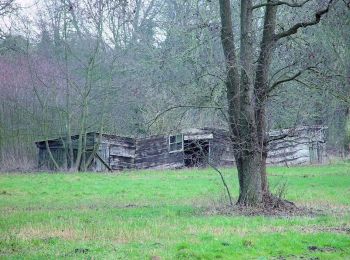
<point>188,148</point>
<point>102,152</point>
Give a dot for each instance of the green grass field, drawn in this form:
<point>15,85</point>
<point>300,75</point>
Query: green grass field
<point>170,215</point>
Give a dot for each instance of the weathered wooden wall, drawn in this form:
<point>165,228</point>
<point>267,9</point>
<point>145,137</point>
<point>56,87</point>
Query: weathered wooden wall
<point>44,161</point>
<point>118,152</point>
<point>221,153</point>
<point>153,152</point>
<point>289,151</point>
<point>61,142</point>
<point>303,145</point>
<point>59,151</point>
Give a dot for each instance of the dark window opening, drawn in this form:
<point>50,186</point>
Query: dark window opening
<point>196,153</point>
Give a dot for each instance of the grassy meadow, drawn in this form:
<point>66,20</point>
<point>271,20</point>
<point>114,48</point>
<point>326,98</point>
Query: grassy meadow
<point>170,215</point>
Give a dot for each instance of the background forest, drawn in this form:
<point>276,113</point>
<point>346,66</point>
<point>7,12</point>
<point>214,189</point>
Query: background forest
<point>142,67</point>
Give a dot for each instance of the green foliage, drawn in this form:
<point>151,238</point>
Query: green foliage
<point>168,215</point>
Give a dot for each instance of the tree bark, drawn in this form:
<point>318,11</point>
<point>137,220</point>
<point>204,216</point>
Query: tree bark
<point>267,47</point>
<point>241,112</point>
<point>250,193</point>
<point>232,80</point>
<point>264,181</point>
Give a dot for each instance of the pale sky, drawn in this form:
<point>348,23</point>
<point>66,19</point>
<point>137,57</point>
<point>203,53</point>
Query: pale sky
<point>28,6</point>
<point>28,9</point>
<point>26,3</point>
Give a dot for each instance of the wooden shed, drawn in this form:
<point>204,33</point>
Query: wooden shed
<point>108,152</point>
<point>187,148</point>
<point>299,146</point>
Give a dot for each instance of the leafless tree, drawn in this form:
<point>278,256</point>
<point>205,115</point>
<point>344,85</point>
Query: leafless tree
<point>7,7</point>
<point>248,86</point>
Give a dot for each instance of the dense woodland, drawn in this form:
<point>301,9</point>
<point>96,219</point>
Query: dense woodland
<point>141,67</point>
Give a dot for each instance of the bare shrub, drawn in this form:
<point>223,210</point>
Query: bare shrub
<point>13,163</point>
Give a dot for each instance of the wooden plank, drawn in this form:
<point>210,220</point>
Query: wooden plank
<point>115,150</point>
<point>198,137</point>
<point>103,162</point>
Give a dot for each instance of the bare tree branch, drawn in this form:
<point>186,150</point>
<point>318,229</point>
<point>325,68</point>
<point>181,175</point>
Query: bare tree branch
<point>291,78</point>
<point>281,3</point>
<point>347,3</point>
<point>6,6</point>
<point>340,96</point>
<point>281,69</point>
<point>151,122</point>
<point>223,182</point>
<point>294,29</point>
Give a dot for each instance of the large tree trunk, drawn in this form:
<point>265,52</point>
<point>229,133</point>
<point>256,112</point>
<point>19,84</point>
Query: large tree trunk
<point>240,91</point>
<point>263,172</point>
<point>263,141</point>
<point>261,87</point>
<point>250,193</point>
<point>247,93</point>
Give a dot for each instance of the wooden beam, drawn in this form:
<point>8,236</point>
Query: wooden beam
<point>103,162</point>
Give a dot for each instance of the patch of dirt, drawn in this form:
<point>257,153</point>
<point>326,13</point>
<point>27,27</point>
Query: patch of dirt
<point>326,207</point>
<point>155,257</point>
<point>225,244</point>
<point>271,206</point>
<point>81,250</point>
<point>313,249</point>
<point>131,206</point>
<point>292,257</point>
<point>73,253</point>
<point>311,175</point>
<point>322,249</point>
<point>81,207</point>
<point>259,211</point>
<point>241,231</point>
<point>29,233</point>
<point>316,229</point>
<point>4,192</point>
